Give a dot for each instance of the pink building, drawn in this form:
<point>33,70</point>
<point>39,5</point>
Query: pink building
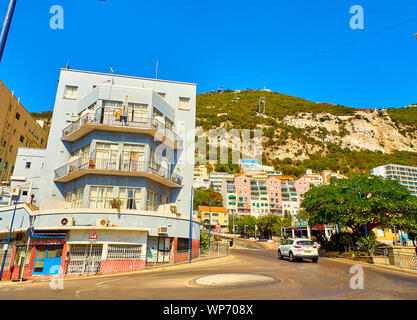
<point>273,187</point>
<point>243,194</point>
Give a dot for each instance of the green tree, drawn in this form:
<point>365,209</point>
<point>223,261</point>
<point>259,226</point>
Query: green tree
<point>360,202</point>
<point>202,198</point>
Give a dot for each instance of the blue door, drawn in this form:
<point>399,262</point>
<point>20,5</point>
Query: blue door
<point>48,260</point>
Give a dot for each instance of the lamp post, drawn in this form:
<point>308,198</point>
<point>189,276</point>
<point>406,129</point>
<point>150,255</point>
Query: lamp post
<point>8,238</point>
<point>6,25</point>
<point>191,222</point>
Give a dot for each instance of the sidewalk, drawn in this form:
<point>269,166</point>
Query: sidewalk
<point>376,266</point>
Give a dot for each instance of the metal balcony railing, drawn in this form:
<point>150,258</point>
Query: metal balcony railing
<point>121,165</point>
<point>109,116</point>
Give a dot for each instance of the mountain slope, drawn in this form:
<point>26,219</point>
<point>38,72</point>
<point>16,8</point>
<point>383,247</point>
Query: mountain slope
<point>298,133</point>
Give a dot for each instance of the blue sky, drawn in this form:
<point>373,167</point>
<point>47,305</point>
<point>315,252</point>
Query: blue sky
<point>235,44</point>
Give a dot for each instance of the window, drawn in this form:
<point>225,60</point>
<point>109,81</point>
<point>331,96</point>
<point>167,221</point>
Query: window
<point>17,115</point>
<point>4,143</point>
<point>21,139</point>
<point>77,198</point>
<point>82,153</point>
<point>27,165</point>
<point>10,149</point>
<point>151,201</point>
<point>164,199</point>
<point>100,197</point>
<point>26,123</point>
<point>123,252</point>
<point>68,196</point>
<point>6,165</point>
<point>14,131</point>
<point>106,156</point>
<point>130,198</point>
<point>184,103</point>
<point>70,92</point>
<point>182,244</point>
<point>137,112</point>
<point>132,158</point>
<point>152,159</point>
<point>158,115</point>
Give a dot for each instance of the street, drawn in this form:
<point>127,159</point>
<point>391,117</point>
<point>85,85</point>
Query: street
<point>300,280</point>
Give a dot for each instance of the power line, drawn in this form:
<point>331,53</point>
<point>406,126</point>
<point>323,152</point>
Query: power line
<point>341,45</point>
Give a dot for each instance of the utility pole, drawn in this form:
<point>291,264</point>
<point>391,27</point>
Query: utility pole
<point>6,26</point>
<point>191,229</point>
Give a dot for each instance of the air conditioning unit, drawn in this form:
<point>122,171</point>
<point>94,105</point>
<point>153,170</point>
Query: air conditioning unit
<point>102,222</point>
<point>67,222</point>
<point>163,230</point>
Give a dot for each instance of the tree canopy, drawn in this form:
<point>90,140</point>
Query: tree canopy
<point>360,202</point>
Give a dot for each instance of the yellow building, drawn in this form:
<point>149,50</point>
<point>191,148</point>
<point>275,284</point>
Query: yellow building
<point>17,129</point>
<point>200,171</point>
<point>219,216</point>
<point>387,235</point>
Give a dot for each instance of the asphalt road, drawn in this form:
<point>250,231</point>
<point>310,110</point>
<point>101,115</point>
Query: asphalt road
<point>328,279</point>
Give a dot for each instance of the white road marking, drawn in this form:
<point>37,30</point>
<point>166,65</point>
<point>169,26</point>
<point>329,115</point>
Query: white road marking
<point>107,281</point>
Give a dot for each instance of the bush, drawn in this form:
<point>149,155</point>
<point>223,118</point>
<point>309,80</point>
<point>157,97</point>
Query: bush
<point>367,245</point>
<point>342,241</point>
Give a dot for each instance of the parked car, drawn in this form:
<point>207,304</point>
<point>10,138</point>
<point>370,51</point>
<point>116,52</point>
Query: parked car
<point>298,249</point>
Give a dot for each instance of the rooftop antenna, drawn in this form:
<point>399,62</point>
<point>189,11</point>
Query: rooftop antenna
<point>156,73</point>
<point>67,66</point>
<point>111,70</point>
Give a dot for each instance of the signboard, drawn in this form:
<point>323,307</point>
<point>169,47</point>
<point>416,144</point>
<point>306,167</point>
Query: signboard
<point>218,228</point>
<point>93,235</point>
<point>301,223</point>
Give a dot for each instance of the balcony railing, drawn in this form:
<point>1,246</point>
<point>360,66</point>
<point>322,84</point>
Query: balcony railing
<point>109,117</point>
<point>130,166</point>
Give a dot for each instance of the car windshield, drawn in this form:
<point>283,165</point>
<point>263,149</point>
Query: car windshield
<point>305,243</point>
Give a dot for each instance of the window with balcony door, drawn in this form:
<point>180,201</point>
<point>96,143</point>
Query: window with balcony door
<point>106,156</point>
<point>83,153</point>
<point>77,198</point>
<point>151,201</point>
<point>152,159</point>
<point>137,113</point>
<point>130,198</point>
<point>133,157</point>
<point>158,116</point>
<point>112,110</point>
<point>100,197</point>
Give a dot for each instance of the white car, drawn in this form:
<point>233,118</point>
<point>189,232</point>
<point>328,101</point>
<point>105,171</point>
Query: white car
<point>298,249</point>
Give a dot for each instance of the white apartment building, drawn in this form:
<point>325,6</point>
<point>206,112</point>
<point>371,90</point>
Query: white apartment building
<point>405,175</point>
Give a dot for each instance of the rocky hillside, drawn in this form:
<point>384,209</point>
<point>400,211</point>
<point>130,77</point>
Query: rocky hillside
<point>298,133</point>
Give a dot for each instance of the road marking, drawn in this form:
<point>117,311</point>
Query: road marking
<point>107,281</point>
<point>267,267</point>
<point>6,289</point>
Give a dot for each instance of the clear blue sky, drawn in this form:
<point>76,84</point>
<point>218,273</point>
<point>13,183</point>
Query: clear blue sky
<point>238,44</point>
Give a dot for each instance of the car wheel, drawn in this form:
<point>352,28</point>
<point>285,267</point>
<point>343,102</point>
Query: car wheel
<point>315,260</point>
<point>280,256</point>
<point>292,259</point>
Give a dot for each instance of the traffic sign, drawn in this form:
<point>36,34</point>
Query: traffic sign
<point>93,235</point>
<point>218,228</point>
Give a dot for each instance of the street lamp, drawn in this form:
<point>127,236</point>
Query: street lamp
<point>6,26</point>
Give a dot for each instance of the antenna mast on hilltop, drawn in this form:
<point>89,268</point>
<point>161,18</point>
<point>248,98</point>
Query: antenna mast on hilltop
<point>261,106</point>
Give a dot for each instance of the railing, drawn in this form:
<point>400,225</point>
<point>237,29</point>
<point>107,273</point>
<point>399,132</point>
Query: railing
<point>107,116</point>
<point>115,165</point>
<point>85,264</point>
<point>394,257</point>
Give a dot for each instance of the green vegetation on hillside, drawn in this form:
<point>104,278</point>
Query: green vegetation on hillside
<point>407,116</point>
<point>42,115</point>
<point>346,161</point>
<point>241,108</point>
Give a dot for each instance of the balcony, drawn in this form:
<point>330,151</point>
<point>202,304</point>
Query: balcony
<point>78,168</point>
<point>108,121</point>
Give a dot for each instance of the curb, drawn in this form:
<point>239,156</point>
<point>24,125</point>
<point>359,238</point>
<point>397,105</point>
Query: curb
<point>149,270</point>
<point>375,266</point>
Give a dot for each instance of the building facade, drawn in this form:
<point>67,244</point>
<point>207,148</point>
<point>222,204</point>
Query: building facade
<point>216,216</point>
<point>17,129</point>
<point>115,165</point>
<point>405,175</point>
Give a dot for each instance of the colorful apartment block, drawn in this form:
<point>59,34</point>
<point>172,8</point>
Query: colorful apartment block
<point>216,216</point>
<point>405,175</point>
